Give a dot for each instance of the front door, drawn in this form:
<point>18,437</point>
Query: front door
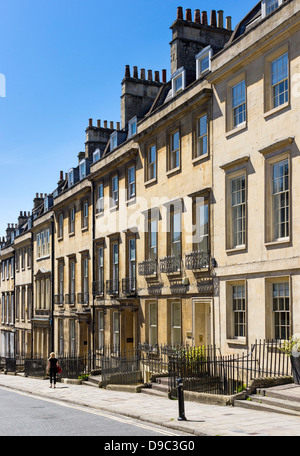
<point>201,323</point>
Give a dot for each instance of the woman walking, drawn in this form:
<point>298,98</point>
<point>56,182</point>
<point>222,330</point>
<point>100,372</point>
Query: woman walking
<point>52,369</point>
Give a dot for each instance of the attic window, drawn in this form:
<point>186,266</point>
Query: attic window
<point>268,6</point>
<point>113,140</point>
<point>71,177</point>
<point>96,155</point>
<point>203,61</point>
<point>132,127</point>
<point>178,81</point>
<point>82,169</point>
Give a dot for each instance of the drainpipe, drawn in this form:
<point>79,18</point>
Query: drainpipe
<point>93,270</point>
<point>52,283</point>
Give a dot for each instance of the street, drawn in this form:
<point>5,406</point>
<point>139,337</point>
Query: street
<point>21,414</point>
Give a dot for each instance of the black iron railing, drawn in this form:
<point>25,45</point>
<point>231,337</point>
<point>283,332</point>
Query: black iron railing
<point>197,260</point>
<point>59,299</point>
<point>83,298</point>
<point>129,286</point>
<point>70,298</point>
<point>170,264</point>
<point>112,287</point>
<point>147,267</point>
<point>98,288</point>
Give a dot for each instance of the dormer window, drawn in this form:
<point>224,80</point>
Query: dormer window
<point>178,81</point>
<point>96,155</point>
<point>113,140</point>
<point>203,61</point>
<point>82,169</point>
<point>71,177</point>
<point>132,127</point>
<point>268,6</point>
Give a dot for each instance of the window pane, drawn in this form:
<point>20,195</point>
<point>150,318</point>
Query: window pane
<point>239,103</point>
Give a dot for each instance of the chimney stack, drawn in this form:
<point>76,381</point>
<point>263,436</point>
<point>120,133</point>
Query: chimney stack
<point>179,13</point>
<point>213,18</point>
<point>220,19</point>
<point>228,23</point>
<point>188,15</point>
<point>127,71</point>
<point>197,16</point>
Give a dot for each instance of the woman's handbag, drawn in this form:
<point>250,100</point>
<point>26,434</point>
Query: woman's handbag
<point>59,369</point>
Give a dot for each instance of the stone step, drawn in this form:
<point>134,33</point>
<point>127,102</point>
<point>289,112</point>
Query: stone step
<point>276,402</point>
<point>153,392</point>
<point>264,407</point>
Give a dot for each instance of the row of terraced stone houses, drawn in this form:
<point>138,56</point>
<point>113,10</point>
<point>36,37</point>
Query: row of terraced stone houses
<point>179,225</point>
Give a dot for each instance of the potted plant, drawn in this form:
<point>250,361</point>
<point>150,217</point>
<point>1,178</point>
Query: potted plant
<point>291,348</point>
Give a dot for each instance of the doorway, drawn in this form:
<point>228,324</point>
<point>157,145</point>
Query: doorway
<point>201,323</point>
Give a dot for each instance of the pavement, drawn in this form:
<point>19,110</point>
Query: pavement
<point>201,419</point>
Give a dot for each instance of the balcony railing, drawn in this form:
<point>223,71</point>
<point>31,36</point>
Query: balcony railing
<point>112,287</point>
<point>197,260</point>
<point>59,299</point>
<point>147,267</point>
<point>83,298</point>
<point>129,286</point>
<point>170,264</point>
<point>98,288</point>
<point>70,299</point>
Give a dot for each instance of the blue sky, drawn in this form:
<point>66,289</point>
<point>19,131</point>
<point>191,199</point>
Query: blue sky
<point>63,63</point>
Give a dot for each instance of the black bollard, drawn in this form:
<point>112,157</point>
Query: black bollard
<point>180,400</point>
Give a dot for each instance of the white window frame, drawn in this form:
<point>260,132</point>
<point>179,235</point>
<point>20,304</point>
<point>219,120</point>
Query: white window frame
<point>115,190</point>
<point>201,137</point>
<point>100,198</point>
<point>131,183</point>
<point>264,7</point>
<point>132,127</point>
<point>96,155</point>
<point>179,74</point>
<point>200,57</point>
<point>82,169</point>
<point>113,140</point>
<point>174,152</point>
<point>152,164</point>
<point>235,106</point>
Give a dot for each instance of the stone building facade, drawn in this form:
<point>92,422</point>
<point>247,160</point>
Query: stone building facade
<point>177,225</point>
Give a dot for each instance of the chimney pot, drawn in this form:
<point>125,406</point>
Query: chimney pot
<point>164,76</point>
<point>99,123</point>
<point>197,16</point>
<point>220,19</point>
<point>90,122</point>
<point>135,72</point>
<point>204,18</point>
<point>149,75</point>
<point>156,76</point>
<point>143,73</point>
<point>61,175</point>
<point>188,15</point>
<point>228,23</point>
<point>118,125</point>
<point>127,71</point>
<point>111,125</point>
<point>105,124</point>
<point>179,13</point>
<point>213,18</point>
